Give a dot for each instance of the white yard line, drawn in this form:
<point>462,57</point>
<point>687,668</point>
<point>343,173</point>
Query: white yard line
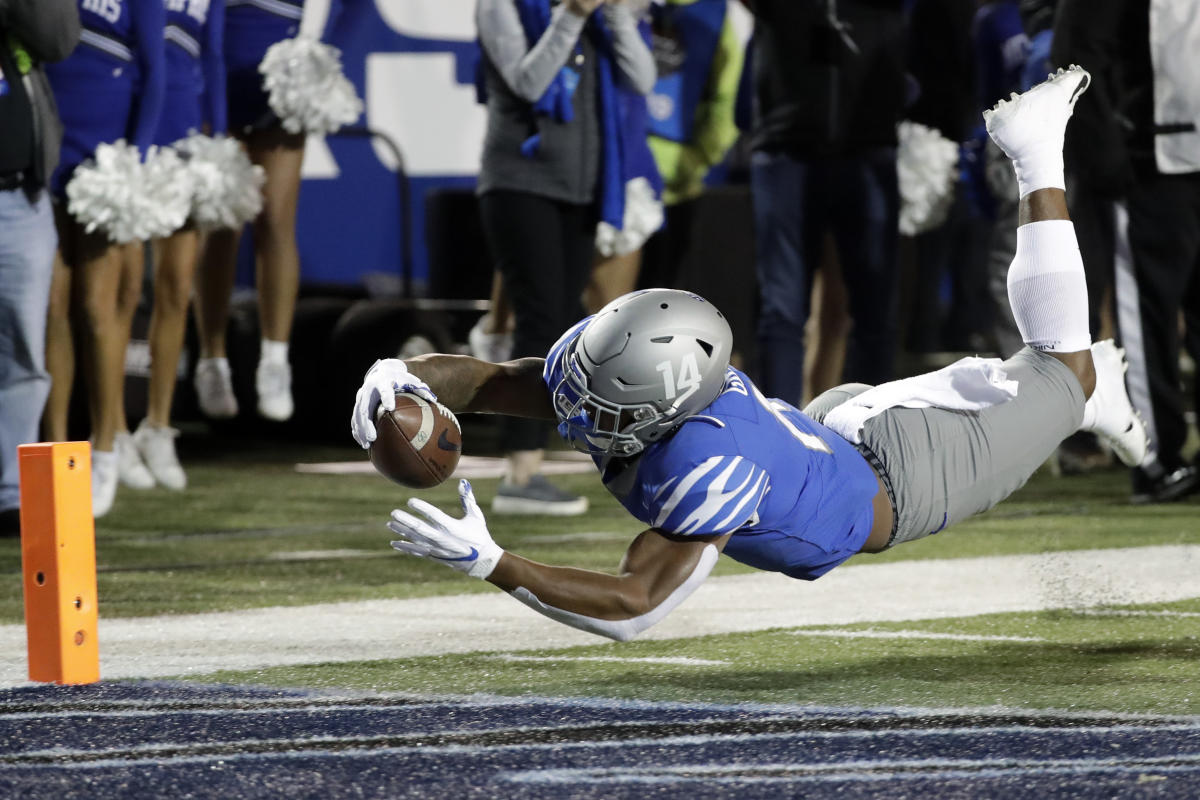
<point>385,629</point>
<point>682,661</point>
<point>470,467</point>
<point>843,633</point>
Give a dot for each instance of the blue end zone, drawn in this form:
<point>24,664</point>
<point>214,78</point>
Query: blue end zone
<point>165,739</point>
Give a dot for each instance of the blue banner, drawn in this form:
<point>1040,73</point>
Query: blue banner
<point>413,63</point>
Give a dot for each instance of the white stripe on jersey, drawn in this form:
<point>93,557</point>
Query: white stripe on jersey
<point>277,7</point>
<point>719,510</point>
<point>106,43</point>
<point>179,36</point>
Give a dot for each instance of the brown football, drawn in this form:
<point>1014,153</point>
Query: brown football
<point>418,444</point>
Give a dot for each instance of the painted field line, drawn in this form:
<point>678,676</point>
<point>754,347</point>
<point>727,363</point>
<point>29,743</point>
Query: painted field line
<point>956,637</point>
<point>326,555</point>
<point>852,770</point>
<point>680,660</point>
<point>197,644</point>
<point>1132,612</point>
<point>470,467</point>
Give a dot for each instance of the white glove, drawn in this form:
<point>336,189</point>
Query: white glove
<point>463,544</point>
<point>385,377</point>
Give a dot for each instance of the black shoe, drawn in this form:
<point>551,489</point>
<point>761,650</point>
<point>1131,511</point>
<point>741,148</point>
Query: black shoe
<point>10,523</point>
<point>1164,487</point>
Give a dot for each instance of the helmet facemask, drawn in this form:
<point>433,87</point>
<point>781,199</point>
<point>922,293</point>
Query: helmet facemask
<point>593,425</point>
<point>645,363</point>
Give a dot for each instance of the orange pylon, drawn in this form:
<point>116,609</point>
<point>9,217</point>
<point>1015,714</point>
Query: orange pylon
<point>58,559</point>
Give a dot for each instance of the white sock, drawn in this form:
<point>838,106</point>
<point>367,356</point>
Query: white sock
<point>218,360</point>
<point>273,352</point>
<point>1047,288</point>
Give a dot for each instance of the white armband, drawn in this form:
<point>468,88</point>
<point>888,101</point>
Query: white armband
<point>625,629</point>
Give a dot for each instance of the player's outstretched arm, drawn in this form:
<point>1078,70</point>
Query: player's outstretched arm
<point>461,383</point>
<point>464,383</point>
<point>657,573</point>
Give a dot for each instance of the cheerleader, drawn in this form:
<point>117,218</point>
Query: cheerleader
<point>251,27</point>
<point>110,88</point>
<point>195,94</point>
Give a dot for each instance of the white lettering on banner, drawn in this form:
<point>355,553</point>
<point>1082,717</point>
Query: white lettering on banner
<point>443,19</point>
<point>416,99</point>
<point>318,160</point>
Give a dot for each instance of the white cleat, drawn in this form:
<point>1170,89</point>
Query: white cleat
<point>1036,119</point>
<point>1112,417</point>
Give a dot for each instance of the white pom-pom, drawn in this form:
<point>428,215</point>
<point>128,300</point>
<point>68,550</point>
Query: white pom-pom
<point>226,186</point>
<point>926,166</point>
<point>166,196</point>
<point>101,190</point>
<point>643,216</point>
<point>306,88</point>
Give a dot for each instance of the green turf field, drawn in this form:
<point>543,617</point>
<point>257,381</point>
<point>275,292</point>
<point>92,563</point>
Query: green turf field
<point>252,532</point>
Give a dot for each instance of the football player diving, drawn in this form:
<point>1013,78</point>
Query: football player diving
<point>692,449</point>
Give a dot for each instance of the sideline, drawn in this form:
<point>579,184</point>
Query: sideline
<point>196,644</point>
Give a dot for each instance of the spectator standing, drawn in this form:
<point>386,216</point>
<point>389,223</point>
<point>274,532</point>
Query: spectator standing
<point>699,51</point>
<point>829,90</point>
<point>550,172</point>
<point>32,32</point>
<point>942,61</point>
<point>1143,149</point>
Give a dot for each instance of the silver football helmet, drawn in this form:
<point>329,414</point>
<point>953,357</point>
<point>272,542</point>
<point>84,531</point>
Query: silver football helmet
<point>643,364</point>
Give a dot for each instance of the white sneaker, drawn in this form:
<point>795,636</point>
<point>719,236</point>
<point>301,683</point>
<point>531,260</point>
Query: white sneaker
<point>214,388</point>
<point>1108,412</point>
<point>1034,121</point>
<point>274,384</point>
<point>130,469</point>
<point>157,448</point>
<point>494,347</point>
<point>104,482</point>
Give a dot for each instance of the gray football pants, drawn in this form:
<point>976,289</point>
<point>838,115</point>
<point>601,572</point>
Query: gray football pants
<point>944,466</point>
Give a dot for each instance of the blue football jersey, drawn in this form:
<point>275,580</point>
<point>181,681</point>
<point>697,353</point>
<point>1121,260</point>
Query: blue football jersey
<point>795,495</point>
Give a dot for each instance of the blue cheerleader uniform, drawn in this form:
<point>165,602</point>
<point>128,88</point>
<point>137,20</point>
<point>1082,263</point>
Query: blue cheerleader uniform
<point>251,27</point>
<point>195,69</point>
<point>111,87</point>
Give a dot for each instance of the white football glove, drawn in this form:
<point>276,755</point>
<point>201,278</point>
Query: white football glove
<point>385,377</point>
<point>463,544</point>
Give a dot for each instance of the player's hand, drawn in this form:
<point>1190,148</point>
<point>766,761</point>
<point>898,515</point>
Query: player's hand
<point>385,377</point>
<point>463,544</point>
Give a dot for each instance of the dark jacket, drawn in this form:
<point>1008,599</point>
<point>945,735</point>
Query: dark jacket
<point>1112,132</point>
<point>49,31</point>
<point>822,88</point>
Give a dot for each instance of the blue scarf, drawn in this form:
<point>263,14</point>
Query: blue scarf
<point>555,103</point>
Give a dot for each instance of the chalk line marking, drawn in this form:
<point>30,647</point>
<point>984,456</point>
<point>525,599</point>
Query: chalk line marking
<point>679,660</point>
<point>904,591</point>
<point>874,634</point>
<point>470,467</point>
<point>1132,612</point>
